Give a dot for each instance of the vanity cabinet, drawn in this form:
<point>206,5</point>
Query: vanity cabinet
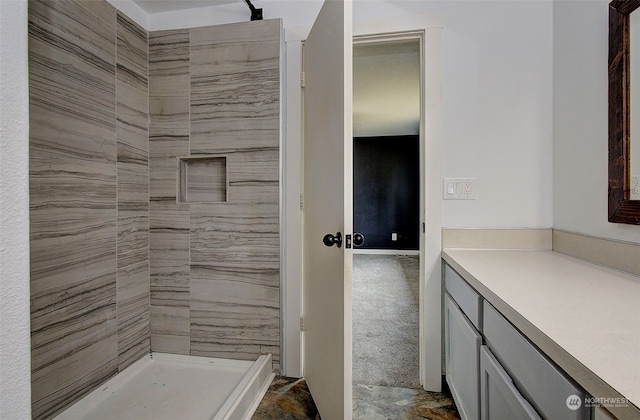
<point>493,371</point>
<point>544,385</point>
<point>500,398</point>
<point>462,361</point>
<point>462,317</point>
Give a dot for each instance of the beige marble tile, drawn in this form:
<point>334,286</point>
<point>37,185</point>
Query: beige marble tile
<point>169,116</point>
<point>73,340</point>
<point>235,280</point>
<point>89,197</point>
<point>133,237</point>
<point>61,383</point>
<point>134,339</point>
<point>235,101</point>
<point>133,184</point>
<point>132,109</point>
<point>133,121</point>
<point>71,244</point>
<point>169,63</point>
<point>167,215</point>
<point>170,329</point>
<point>163,179</point>
<point>133,47</point>
<point>168,109</point>
<point>84,29</point>
<point>169,268</point>
<point>133,313</point>
<point>240,235</point>
<point>254,176</point>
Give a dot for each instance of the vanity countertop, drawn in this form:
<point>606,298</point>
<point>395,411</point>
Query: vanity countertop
<point>584,316</point>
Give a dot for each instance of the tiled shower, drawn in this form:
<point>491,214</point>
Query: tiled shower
<point>154,189</point>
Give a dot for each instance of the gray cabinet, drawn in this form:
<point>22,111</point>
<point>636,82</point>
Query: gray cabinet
<point>507,377</point>
<point>500,399</point>
<point>462,345</point>
<point>540,381</point>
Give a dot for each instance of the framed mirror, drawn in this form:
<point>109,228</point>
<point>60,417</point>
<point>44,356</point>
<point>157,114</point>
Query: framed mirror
<point>623,208</point>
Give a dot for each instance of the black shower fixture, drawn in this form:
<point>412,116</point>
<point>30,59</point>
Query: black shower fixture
<point>256,14</point>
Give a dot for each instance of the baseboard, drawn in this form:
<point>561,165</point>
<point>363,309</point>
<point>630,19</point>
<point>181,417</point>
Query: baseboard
<point>386,252</point>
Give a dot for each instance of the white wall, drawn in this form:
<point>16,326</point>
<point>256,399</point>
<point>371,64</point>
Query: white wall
<point>386,89</point>
<point>15,360</point>
<point>580,114</point>
<point>497,96</point>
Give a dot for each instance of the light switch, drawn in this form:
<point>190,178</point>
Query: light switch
<point>458,189</point>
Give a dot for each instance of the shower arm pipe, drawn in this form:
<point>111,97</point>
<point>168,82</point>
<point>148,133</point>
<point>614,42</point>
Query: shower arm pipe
<point>256,14</point>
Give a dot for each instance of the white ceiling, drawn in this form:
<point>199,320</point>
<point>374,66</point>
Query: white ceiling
<point>159,6</point>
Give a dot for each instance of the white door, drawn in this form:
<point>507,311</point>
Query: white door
<point>328,209</point>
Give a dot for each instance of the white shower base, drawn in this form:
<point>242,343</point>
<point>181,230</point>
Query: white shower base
<point>168,386</point>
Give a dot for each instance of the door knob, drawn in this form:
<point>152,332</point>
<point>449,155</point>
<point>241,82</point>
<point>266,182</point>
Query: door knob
<point>330,240</point>
<point>358,239</point>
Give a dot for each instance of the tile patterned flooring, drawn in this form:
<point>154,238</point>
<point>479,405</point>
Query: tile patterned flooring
<point>289,399</point>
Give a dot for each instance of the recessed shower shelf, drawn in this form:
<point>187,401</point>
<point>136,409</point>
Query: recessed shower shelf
<point>202,179</point>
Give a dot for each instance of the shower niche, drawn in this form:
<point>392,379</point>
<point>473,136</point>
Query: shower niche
<point>202,179</point>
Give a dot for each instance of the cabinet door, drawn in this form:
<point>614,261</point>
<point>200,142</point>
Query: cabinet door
<point>462,346</point>
<point>544,385</point>
<point>499,398</point>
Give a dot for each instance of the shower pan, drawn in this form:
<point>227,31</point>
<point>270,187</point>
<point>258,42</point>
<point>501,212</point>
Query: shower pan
<point>164,386</point>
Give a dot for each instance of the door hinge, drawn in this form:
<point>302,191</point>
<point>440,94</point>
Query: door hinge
<point>302,81</point>
<point>301,324</point>
<point>301,201</point>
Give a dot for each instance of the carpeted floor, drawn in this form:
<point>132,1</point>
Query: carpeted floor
<point>385,320</point>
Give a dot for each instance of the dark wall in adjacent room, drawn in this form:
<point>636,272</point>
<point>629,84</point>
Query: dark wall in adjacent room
<point>386,197</point>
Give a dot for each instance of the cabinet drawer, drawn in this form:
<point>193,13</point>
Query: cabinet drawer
<point>499,398</point>
<point>467,299</point>
<point>540,381</point>
<point>462,346</point>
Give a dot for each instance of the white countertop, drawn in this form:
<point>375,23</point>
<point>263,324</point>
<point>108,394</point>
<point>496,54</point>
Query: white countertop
<point>584,316</point>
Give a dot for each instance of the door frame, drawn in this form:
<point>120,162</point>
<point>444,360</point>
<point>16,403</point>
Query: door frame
<point>429,27</point>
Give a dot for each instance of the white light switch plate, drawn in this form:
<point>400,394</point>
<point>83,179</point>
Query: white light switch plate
<point>458,189</point>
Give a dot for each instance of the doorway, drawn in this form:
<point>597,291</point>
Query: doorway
<point>428,28</point>
<point>387,107</point>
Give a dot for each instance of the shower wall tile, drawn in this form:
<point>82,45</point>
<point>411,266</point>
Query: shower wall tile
<point>73,209</point>
<point>169,264</point>
<point>169,110</point>
<point>170,329</point>
<point>169,222</point>
<point>235,281</point>
<point>132,111</point>
<point>235,104</point>
<point>169,63</point>
<point>254,176</point>
<point>234,247</point>
<point>73,341</point>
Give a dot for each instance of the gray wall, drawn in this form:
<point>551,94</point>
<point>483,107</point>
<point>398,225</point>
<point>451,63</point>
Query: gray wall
<point>88,198</point>
<point>215,265</point>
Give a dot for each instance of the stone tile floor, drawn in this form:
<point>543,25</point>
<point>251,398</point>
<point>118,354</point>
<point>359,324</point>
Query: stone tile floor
<point>289,399</point>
